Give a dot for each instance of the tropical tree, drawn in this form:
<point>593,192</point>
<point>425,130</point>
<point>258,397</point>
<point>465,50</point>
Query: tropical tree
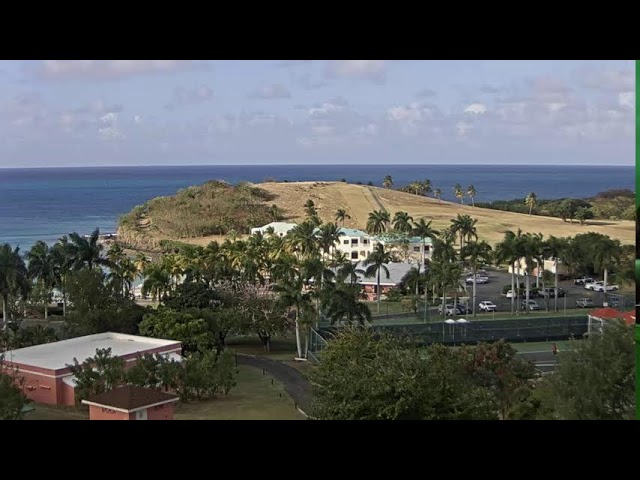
<point>42,268</point>
<point>310,209</point>
<point>341,301</point>
<point>86,252</point>
<point>531,201</point>
<point>375,263</point>
<point>416,187</point>
<point>471,192</point>
<point>14,277</point>
<point>555,248</point>
<point>387,182</point>
<point>424,230</point>
<point>606,256</point>
<point>292,295</point>
<point>475,254</point>
<point>402,222</point>
<point>63,258</point>
<point>342,215</point>
<point>377,222</point>
<point>302,239</point>
<point>465,227</point>
<point>157,281</point>
<point>141,263</point>
<point>508,251</point>
<point>327,237</point>
<point>427,188</point>
<point>438,194</point>
<point>458,192</point>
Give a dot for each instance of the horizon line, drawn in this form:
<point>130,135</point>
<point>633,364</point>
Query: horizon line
<point>318,164</point>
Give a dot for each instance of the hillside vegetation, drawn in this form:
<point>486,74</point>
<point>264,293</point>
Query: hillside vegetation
<point>201,214</point>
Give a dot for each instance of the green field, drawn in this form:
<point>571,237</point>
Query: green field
<point>253,398</point>
<point>528,347</point>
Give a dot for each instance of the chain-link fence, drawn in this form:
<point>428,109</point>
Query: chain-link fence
<point>531,329</point>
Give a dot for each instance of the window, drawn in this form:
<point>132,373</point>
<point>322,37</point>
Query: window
<point>416,249</point>
<point>365,241</point>
<point>354,241</point>
<point>346,242</point>
<point>354,255</point>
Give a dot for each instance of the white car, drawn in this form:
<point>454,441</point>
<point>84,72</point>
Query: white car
<point>591,285</point>
<point>599,287</point>
<point>479,279</point>
<point>488,307</point>
<point>510,294</point>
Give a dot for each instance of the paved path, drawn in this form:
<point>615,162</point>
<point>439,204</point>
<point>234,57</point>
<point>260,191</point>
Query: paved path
<point>295,383</point>
<point>376,198</point>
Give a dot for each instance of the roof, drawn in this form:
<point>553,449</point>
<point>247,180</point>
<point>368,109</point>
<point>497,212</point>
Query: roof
<point>397,270</point>
<point>393,237</point>
<point>612,314</point>
<point>352,232</point>
<point>56,355</point>
<point>277,227</point>
<point>130,398</point>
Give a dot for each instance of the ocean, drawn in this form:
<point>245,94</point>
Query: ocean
<point>46,203</point>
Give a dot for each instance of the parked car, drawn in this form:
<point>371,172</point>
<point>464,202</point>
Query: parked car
<point>551,292</point>
<point>487,306</point>
<point>584,302</point>
<point>582,280</point>
<point>510,294</point>
<point>530,305</point>
<point>591,285</point>
<point>599,287</point>
<point>449,310</point>
<point>479,279</point>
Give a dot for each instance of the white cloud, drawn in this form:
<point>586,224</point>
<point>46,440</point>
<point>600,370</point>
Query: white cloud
<point>268,92</point>
<point>106,69</point>
<point>374,70</point>
<point>476,109</point>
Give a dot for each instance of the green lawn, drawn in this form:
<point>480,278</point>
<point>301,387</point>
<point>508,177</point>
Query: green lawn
<point>255,397</point>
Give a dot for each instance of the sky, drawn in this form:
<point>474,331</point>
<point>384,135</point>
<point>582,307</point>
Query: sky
<point>61,113</point>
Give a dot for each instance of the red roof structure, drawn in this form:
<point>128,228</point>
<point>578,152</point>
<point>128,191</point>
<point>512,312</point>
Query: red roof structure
<point>612,314</point>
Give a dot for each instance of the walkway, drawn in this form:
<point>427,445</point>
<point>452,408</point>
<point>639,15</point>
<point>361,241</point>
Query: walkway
<point>295,383</point>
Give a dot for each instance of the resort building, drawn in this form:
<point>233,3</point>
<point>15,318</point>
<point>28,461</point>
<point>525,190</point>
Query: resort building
<point>45,370</point>
<point>356,244</point>
<point>599,318</point>
<point>130,402</point>
<point>279,228</point>
<point>408,249</point>
<point>397,270</point>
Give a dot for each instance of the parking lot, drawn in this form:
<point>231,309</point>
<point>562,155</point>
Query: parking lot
<point>492,291</point>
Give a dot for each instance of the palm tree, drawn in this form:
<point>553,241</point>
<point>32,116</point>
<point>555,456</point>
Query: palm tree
<point>416,187</point>
<point>424,230</point>
<point>63,259</point>
<point>402,222</point>
<point>141,263</point>
<point>310,209</point>
<point>377,222</point>
<point>157,282</point>
<point>606,256</point>
<point>531,201</point>
<point>426,186</point>
<point>349,272</point>
<point>476,253</point>
<point>387,182</point>
<point>42,267</point>
<point>375,262</point>
<point>86,251</point>
<point>341,301</point>
<point>529,248</point>
<point>14,277</point>
<point>471,192</point>
<point>459,193</point>
<point>465,227</point>
<point>327,237</point>
<point>302,239</point>
<point>342,215</point>
<point>507,251</point>
<point>438,194</point>
<point>292,295</point>
<point>555,248</point>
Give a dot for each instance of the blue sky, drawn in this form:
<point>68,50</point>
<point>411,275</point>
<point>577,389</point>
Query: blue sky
<point>170,112</point>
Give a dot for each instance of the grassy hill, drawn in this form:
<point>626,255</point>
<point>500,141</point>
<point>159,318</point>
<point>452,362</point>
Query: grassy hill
<point>198,214</point>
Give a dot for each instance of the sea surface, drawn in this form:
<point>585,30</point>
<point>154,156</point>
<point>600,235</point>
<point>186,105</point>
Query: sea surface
<point>46,203</point>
